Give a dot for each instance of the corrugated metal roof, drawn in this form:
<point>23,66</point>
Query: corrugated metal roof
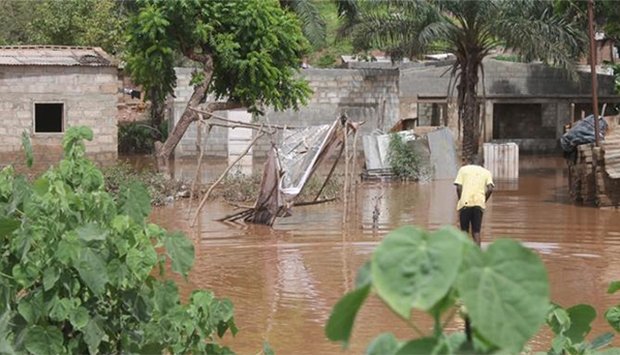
<point>55,55</point>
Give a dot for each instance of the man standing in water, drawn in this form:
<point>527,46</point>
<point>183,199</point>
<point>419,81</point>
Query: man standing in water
<point>474,186</point>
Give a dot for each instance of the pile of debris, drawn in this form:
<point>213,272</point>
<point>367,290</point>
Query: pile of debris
<point>593,172</point>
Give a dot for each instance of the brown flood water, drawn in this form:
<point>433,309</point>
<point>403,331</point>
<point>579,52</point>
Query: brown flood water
<point>285,280</point>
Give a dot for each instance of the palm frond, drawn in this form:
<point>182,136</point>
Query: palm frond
<point>538,33</point>
<point>312,23</point>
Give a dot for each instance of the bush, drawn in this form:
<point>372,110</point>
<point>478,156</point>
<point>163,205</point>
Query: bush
<point>403,160</point>
<point>159,187</point>
<point>77,269</point>
<point>139,137</point>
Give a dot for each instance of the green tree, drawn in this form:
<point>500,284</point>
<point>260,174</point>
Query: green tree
<point>247,51</point>
<point>15,17</point>
<point>79,23</point>
<point>469,30</point>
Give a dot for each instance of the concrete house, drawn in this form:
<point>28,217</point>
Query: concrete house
<point>526,103</point>
<point>46,89</point>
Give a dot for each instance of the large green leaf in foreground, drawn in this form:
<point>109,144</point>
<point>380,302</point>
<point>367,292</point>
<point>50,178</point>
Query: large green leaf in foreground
<point>414,269</point>
<point>506,292</point>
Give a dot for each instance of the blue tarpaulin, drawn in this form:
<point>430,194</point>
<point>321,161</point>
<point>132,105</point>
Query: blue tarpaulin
<point>582,133</point>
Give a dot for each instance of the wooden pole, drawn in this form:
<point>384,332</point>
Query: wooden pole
<point>346,175</point>
<point>593,71</point>
<point>206,196</point>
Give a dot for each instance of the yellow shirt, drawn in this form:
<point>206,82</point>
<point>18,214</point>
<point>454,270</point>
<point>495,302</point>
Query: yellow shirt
<point>474,180</point>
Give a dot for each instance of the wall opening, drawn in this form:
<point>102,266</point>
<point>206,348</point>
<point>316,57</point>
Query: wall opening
<point>432,114</point>
<point>522,121</point>
<point>48,117</point>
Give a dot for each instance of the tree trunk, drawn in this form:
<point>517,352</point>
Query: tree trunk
<point>157,110</point>
<point>164,151</point>
<point>469,109</point>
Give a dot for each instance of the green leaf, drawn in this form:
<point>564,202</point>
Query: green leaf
<point>8,225</point>
<point>412,268</point>
<point>90,232</point>
<point>92,270</point>
<point>93,335</point>
<point>27,149</point>
<point>613,287</point>
<point>63,308</point>
<point>181,251</point>
<point>134,201</point>
<point>50,276</point>
<point>363,277</point>
<point>506,292</point>
<point>425,346</point>
<point>44,340</point>
<point>79,318</point>
<point>41,186</point>
<point>6,343</point>
<point>140,263</point>
<point>612,315</point>
<point>165,296</point>
<point>384,344</point>
<point>581,316</point>
<point>267,350</point>
<point>340,322</point>
<point>558,319</point>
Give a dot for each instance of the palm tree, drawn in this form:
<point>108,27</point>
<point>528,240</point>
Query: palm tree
<point>469,30</point>
<point>313,24</point>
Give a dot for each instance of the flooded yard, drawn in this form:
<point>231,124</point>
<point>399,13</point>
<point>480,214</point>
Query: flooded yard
<point>284,280</point>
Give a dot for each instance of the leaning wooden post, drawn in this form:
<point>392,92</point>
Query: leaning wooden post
<point>329,175</point>
<point>353,167</point>
<point>346,174</point>
<point>199,165</point>
<point>219,179</point>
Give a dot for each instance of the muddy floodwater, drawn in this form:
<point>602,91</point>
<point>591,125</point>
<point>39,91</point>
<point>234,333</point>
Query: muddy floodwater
<point>284,280</point>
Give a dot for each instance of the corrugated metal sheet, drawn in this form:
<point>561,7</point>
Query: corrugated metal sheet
<point>611,147</point>
<point>502,160</point>
<point>55,55</point>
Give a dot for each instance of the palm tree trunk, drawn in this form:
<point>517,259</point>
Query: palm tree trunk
<point>469,109</point>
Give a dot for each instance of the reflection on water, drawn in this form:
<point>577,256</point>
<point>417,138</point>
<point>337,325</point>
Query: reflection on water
<point>285,280</point>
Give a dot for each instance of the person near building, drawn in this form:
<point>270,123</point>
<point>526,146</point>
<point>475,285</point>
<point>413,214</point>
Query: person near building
<point>474,186</point>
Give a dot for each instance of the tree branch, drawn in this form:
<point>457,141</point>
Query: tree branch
<point>221,106</point>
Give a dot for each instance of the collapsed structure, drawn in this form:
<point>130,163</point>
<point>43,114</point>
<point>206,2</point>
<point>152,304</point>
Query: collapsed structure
<point>289,166</point>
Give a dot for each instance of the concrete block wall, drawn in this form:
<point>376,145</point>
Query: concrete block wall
<point>89,96</point>
<point>369,95</point>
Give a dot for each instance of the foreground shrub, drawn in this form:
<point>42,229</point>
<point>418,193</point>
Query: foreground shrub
<point>502,293</point>
<point>77,269</point>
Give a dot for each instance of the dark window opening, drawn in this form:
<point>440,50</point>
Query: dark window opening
<point>521,121</point>
<point>48,118</point>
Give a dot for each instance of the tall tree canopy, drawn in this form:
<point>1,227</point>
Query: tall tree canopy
<point>469,30</point>
<point>68,22</point>
<point>247,51</point>
<point>606,14</point>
